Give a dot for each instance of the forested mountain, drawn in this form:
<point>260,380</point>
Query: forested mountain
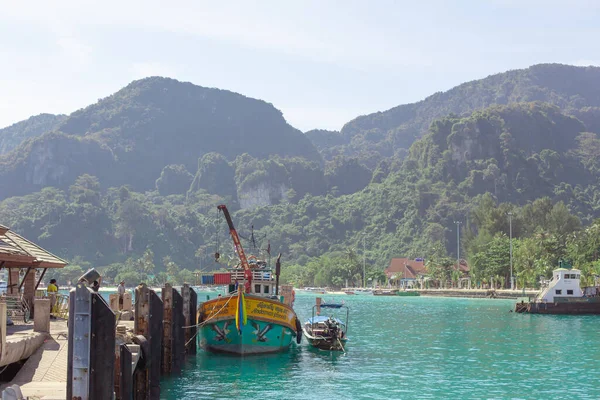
<point>130,136</point>
<point>12,136</point>
<point>538,161</point>
<point>472,169</point>
<point>572,89</point>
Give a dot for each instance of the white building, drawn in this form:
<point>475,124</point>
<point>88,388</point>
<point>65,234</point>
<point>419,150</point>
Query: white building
<point>564,283</point>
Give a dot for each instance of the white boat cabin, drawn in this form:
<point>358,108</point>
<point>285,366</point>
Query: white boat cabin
<point>263,281</point>
<point>564,283</point>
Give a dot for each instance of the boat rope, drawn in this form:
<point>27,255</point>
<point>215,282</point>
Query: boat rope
<point>341,345</point>
<point>233,294</point>
<point>208,319</point>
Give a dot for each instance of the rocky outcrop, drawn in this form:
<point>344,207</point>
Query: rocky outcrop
<point>262,194</point>
<point>11,137</point>
<point>53,160</point>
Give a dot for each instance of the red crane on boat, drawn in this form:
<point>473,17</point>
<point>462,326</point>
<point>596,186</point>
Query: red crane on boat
<point>238,248</point>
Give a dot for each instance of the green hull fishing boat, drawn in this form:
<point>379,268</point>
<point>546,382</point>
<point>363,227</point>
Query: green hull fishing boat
<point>270,325</point>
<point>253,317</point>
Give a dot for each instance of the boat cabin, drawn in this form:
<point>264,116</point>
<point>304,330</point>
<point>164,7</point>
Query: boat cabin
<point>263,278</point>
<point>564,283</point>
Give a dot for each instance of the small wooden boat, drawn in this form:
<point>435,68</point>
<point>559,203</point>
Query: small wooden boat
<point>326,333</point>
<point>385,292</point>
<point>349,292</point>
<point>408,293</point>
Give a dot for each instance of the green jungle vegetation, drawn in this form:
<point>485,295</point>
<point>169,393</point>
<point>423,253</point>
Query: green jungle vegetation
<point>536,161</point>
<point>575,90</point>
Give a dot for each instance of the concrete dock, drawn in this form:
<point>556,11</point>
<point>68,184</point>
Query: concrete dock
<point>44,375</point>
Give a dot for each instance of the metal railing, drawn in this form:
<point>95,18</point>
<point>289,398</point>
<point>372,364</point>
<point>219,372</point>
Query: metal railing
<point>257,276</point>
<point>17,309</point>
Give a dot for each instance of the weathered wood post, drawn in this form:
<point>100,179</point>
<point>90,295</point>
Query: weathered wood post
<point>90,371</point>
<point>178,333</point>
<point>167,355</point>
<point>191,347</point>
<point>156,333</point>
<point>123,374</point>
<point>148,328</point>
<point>141,326</point>
<point>187,318</point>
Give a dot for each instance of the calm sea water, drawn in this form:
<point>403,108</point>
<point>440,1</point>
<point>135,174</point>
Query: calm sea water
<point>415,348</point>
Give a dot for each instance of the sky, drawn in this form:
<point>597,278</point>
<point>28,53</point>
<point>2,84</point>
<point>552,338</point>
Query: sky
<point>322,63</point>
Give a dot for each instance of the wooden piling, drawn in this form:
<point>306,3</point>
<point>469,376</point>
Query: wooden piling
<point>178,333</point>
<point>156,333</point>
<point>148,325</point>
<point>191,345</point>
<point>187,318</point>
<point>123,374</point>
<point>99,370</point>
<point>167,355</point>
<point>141,327</point>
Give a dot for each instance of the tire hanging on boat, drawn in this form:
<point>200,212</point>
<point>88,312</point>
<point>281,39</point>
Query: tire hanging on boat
<point>298,331</point>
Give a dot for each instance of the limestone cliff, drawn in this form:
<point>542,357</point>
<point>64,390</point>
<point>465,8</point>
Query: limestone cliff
<point>262,194</point>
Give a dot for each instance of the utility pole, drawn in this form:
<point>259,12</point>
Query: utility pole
<point>512,285</point>
<point>364,263</point>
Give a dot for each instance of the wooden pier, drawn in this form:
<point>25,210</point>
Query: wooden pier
<point>101,357</point>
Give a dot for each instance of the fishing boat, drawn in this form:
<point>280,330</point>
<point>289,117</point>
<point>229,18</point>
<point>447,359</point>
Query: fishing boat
<point>385,292</point>
<point>256,315</point>
<point>326,333</point>
<point>563,295</point>
<point>408,293</point>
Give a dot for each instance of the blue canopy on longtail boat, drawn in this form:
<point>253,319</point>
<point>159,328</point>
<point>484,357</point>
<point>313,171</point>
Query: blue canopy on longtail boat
<point>332,305</point>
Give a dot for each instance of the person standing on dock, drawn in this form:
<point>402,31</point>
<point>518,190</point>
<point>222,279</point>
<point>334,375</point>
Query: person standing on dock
<point>121,292</point>
<point>52,291</point>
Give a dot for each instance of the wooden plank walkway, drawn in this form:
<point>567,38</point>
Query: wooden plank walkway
<point>44,375</point>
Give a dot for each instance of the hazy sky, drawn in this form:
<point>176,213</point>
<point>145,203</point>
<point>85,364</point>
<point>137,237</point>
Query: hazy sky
<point>320,62</point>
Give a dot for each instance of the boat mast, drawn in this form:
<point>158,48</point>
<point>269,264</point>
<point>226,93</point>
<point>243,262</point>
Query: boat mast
<point>277,272</point>
<point>238,248</point>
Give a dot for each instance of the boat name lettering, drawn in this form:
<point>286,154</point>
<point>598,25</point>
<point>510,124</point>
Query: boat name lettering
<point>270,306</point>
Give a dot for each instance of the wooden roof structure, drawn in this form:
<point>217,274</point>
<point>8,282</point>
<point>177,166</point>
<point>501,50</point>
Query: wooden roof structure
<point>18,252</point>
<point>405,268</point>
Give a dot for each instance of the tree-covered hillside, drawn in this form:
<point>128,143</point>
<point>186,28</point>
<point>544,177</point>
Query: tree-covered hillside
<point>529,159</point>
<point>573,89</point>
<point>144,127</point>
<point>14,135</point>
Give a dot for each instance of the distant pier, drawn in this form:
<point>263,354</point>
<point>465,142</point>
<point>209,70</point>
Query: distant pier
<point>479,293</point>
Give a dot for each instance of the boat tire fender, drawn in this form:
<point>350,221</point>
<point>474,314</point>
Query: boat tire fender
<point>298,331</point>
<point>144,361</point>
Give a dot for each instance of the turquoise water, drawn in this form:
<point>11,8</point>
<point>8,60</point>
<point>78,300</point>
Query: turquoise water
<point>415,348</point>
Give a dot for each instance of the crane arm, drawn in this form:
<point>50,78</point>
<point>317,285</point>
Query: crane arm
<point>238,247</point>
